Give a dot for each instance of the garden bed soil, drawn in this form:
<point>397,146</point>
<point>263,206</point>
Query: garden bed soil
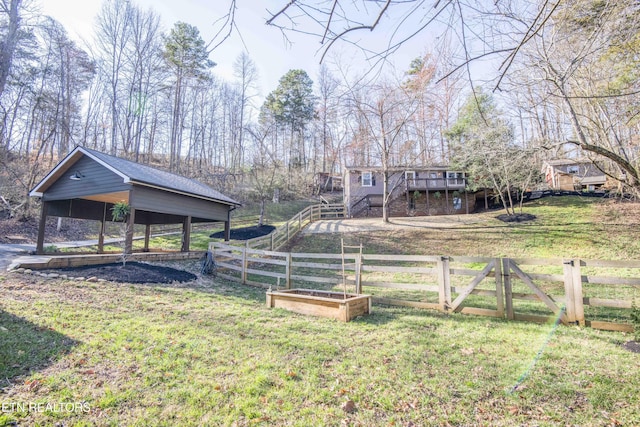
<point>131,272</point>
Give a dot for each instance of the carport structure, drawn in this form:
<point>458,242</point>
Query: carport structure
<point>87,183</point>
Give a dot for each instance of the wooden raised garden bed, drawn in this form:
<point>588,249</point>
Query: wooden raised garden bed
<point>329,304</point>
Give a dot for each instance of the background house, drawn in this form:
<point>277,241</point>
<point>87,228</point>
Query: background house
<point>573,175</point>
<point>433,190</point>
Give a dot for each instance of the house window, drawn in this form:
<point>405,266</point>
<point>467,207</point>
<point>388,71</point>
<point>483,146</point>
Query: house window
<point>573,169</point>
<point>367,179</point>
<point>455,178</point>
<point>410,177</point>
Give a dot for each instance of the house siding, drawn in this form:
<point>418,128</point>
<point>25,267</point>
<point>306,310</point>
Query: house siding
<point>96,179</point>
<point>153,200</point>
<point>367,200</point>
<point>441,205</point>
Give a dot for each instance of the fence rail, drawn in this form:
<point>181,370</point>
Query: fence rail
<point>594,293</point>
<point>282,234</point>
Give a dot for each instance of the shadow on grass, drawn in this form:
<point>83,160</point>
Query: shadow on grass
<point>27,347</point>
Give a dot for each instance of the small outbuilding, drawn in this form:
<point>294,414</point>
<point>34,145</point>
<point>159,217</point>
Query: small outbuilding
<point>574,175</point>
<point>87,183</point>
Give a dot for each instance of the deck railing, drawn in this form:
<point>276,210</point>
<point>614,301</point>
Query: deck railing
<point>282,234</point>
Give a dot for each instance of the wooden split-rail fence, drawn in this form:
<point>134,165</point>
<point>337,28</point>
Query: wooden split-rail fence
<point>599,294</point>
<point>282,234</point>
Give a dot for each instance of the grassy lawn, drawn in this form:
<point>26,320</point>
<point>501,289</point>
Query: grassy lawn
<point>210,353</point>
<point>565,227</point>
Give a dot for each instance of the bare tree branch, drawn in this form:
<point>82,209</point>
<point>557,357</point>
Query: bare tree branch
<point>229,22</point>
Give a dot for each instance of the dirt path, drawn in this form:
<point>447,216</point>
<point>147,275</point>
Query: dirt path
<point>376,224</point>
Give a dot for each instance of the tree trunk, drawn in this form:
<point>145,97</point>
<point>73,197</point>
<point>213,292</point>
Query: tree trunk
<point>8,45</point>
<point>385,198</point>
<point>261,218</point>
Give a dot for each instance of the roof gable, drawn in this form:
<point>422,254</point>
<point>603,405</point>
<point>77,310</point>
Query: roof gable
<point>135,174</point>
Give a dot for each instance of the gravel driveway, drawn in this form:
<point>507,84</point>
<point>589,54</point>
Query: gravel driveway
<point>376,224</point>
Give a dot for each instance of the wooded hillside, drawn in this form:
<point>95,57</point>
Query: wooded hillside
<point>567,75</point>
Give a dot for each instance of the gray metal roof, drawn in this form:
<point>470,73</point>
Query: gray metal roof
<point>142,174</point>
<point>139,174</point>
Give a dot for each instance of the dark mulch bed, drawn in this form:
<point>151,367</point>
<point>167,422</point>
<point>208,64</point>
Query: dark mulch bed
<point>246,233</point>
<point>131,272</point>
<point>516,218</point>
<point>632,346</point>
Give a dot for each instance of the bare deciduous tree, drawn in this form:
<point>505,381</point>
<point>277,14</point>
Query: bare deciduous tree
<point>384,112</point>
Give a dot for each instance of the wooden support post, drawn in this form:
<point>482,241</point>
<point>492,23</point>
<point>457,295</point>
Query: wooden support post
<point>245,263</point>
<point>269,300</point>
<point>273,235</point>
<point>128,239</point>
<point>406,192</point>
<point>288,271</point>
<point>573,291</point>
<point>427,193</point>
<point>444,284</point>
<point>578,300</point>
<point>447,208</point>
<point>358,267</point>
<point>497,263</point>
<point>568,290</point>
<point>227,227</point>
<point>41,227</point>
<point>508,291</point>
<point>466,201</point>
<point>486,200</point>
<point>101,237</point>
<point>102,227</point>
<point>147,235</point>
<point>186,234</point>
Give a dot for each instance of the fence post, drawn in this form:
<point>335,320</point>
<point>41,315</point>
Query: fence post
<point>573,291</point>
<point>288,271</point>
<point>567,267</point>
<point>444,283</point>
<point>578,301</point>
<point>273,234</point>
<point>245,263</point>
<point>299,221</point>
<point>288,236</point>
<point>508,290</point>
<point>497,265</point>
<point>358,274</point>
